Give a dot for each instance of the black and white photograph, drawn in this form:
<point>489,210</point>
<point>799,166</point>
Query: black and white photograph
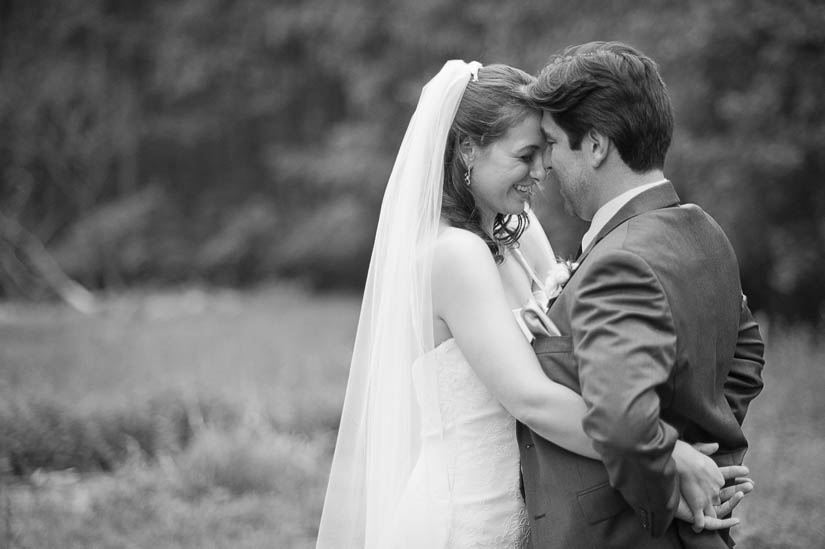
<point>417,274</point>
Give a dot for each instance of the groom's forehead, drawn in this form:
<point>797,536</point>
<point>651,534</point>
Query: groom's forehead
<point>548,126</point>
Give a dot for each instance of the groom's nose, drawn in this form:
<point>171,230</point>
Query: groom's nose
<point>545,159</point>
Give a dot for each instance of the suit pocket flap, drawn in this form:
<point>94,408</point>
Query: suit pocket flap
<point>553,344</point>
<point>601,502</point>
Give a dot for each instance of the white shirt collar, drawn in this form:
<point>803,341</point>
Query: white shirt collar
<point>611,208</point>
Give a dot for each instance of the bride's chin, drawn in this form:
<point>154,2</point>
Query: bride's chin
<point>516,209</point>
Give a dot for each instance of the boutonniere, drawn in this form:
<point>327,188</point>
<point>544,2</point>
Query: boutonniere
<point>557,277</point>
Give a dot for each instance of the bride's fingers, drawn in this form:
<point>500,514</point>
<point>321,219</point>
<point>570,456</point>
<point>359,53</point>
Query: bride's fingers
<point>710,512</point>
<point>683,511</point>
<point>698,519</point>
<point>707,448</point>
<point>706,514</point>
<point>733,471</point>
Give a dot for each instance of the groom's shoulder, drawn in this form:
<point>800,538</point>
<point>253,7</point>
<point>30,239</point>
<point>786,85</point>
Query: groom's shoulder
<point>703,216</point>
<point>677,228</point>
<point>693,218</point>
<point>679,217</point>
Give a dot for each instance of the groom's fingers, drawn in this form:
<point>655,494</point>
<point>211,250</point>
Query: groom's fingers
<point>720,524</point>
<point>707,448</point>
<point>712,522</point>
<point>741,486</point>
<point>728,505</point>
<point>708,518</point>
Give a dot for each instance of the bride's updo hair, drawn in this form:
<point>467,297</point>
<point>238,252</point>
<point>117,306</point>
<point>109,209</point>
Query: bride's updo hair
<point>490,106</point>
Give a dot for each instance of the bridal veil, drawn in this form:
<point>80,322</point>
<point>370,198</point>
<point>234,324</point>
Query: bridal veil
<point>378,437</point>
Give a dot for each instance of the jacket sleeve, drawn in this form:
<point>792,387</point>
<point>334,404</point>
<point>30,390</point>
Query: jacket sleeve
<point>744,381</point>
<point>625,340</point>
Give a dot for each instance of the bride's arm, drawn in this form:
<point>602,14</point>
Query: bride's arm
<point>469,297</point>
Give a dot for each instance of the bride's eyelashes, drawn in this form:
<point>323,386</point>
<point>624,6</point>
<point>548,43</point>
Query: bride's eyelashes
<point>530,155</point>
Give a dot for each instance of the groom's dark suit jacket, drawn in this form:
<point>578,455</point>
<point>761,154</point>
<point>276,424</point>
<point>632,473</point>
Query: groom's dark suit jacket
<point>661,345</point>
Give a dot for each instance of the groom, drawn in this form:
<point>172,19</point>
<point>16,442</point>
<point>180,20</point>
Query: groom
<point>657,336</point>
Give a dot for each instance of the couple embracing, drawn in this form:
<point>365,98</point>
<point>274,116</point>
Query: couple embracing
<point>499,398</point>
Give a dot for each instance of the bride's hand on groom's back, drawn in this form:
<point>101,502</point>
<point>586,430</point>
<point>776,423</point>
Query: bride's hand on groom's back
<point>730,496</point>
<point>704,502</point>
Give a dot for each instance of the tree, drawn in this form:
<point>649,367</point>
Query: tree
<point>234,141</point>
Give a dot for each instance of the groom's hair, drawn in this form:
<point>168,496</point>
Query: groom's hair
<point>614,89</point>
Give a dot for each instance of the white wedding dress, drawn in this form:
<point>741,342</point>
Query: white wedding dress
<point>464,490</point>
<point>426,457</point>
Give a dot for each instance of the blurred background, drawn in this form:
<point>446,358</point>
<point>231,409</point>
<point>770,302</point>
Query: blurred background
<point>188,196</point>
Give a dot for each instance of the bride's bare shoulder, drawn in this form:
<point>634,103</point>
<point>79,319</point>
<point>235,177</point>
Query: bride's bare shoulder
<point>459,247</point>
<point>460,255</point>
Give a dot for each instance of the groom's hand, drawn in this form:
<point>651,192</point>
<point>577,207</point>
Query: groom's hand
<point>731,496</point>
<point>701,481</point>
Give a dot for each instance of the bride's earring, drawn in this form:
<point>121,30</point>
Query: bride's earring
<point>467,176</point>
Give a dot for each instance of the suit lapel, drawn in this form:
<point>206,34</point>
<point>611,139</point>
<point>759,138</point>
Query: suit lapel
<point>660,196</point>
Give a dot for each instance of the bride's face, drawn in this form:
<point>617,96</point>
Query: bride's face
<point>505,172</point>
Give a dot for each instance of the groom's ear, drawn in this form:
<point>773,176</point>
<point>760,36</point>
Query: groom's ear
<point>597,147</point>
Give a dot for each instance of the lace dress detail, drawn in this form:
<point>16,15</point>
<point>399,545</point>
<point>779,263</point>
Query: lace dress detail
<point>470,464</point>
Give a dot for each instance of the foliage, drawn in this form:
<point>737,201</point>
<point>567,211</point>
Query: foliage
<point>253,470</point>
<point>143,506</point>
<point>243,461</point>
<point>235,141</point>
<point>41,433</point>
<point>752,132</point>
<point>144,376</point>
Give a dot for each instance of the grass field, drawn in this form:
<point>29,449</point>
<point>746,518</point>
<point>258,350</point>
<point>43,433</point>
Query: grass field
<point>207,419</point>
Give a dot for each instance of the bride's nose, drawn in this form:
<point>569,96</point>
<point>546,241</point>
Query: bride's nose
<point>537,170</point>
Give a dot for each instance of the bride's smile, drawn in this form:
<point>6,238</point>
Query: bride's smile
<point>505,172</point>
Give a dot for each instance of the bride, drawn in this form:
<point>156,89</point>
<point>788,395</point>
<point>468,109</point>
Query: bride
<point>442,367</point>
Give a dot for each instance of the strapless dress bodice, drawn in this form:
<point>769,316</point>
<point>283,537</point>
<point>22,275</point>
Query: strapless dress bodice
<point>468,437</point>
